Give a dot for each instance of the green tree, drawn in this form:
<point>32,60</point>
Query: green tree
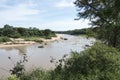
<point>99,62</point>
<point>90,33</point>
<point>16,32</point>
<point>104,14</point>
<point>23,32</point>
<point>47,32</point>
<point>8,30</point>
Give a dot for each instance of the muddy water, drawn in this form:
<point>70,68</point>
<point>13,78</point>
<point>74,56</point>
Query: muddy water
<point>40,57</point>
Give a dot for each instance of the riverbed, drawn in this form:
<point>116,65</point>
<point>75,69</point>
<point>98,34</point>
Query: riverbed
<point>40,57</point>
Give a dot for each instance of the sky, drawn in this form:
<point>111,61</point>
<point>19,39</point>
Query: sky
<point>56,15</point>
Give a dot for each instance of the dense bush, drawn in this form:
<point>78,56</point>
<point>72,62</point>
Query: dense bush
<point>36,74</point>
<point>16,32</point>
<point>4,39</point>
<point>99,62</point>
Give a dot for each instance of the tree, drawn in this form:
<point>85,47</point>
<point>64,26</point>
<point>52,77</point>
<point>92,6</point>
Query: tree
<point>99,62</point>
<point>47,32</point>
<point>23,32</point>
<point>8,30</point>
<point>104,14</point>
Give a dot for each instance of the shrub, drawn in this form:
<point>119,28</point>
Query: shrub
<point>99,62</point>
<point>36,74</point>
<point>13,77</point>
<point>4,39</point>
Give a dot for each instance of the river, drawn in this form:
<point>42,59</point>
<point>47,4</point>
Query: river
<point>40,57</point>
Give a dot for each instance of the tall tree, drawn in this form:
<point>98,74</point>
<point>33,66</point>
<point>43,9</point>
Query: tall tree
<point>104,14</point>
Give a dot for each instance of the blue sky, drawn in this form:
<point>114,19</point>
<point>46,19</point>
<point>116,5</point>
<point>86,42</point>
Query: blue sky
<point>43,14</point>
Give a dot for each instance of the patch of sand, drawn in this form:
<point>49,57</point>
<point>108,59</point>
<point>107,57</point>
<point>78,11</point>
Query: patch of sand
<point>21,42</point>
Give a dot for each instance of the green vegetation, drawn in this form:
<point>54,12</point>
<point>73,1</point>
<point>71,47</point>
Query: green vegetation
<point>105,15</point>
<point>37,74</point>
<point>98,62</point>
<point>4,39</point>
<point>13,77</point>
<point>36,39</point>
<point>74,32</point>
<point>86,31</point>
<point>33,33</point>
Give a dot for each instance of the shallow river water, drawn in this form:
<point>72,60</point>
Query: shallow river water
<point>40,57</point>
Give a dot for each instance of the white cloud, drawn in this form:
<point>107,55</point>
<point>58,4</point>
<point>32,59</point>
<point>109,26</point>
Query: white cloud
<point>18,12</point>
<point>64,3</point>
<point>40,13</point>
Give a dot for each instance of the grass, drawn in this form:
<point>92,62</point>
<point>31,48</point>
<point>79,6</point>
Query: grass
<point>4,39</point>
<point>36,74</point>
<point>36,39</point>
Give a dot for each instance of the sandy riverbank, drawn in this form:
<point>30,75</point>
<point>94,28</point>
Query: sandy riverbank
<point>21,42</point>
<point>52,39</point>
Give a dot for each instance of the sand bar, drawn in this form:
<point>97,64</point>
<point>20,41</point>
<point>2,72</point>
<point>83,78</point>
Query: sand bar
<point>21,42</point>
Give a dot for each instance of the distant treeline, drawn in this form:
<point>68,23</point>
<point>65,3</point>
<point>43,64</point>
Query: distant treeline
<point>73,32</point>
<point>84,31</point>
<point>109,35</point>
<point>16,32</point>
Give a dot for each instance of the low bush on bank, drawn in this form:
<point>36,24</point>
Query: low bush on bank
<point>4,39</point>
<point>99,62</point>
<point>36,74</point>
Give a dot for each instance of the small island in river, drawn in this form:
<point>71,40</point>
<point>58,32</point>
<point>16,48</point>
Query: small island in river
<point>17,36</point>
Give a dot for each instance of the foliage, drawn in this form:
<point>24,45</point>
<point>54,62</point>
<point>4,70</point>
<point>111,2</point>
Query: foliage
<point>74,32</point>
<point>104,14</point>
<point>90,32</point>
<point>36,74</point>
<point>96,63</point>
<point>85,31</point>
<point>78,32</point>
<point>16,32</point>
<point>18,68</point>
<point>4,39</point>
<point>13,77</point>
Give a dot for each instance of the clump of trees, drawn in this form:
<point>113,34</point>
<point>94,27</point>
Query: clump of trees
<point>76,32</point>
<point>16,32</point>
<point>85,31</point>
<point>4,39</point>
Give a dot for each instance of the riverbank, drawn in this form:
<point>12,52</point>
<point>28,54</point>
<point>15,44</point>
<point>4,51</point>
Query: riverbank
<point>22,42</point>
